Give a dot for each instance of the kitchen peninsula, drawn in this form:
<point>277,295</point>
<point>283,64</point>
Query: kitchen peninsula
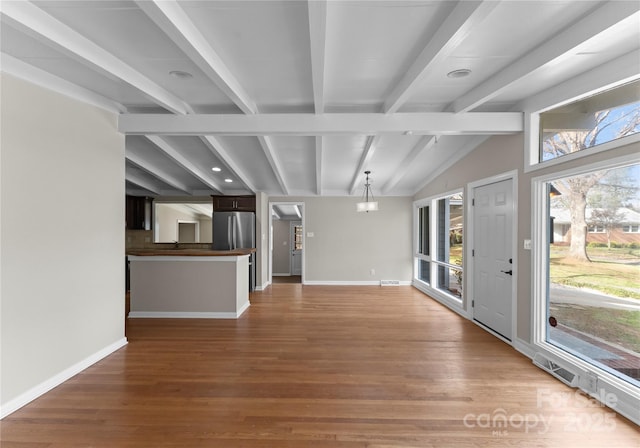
<point>189,283</point>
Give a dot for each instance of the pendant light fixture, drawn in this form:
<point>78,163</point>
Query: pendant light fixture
<point>368,204</point>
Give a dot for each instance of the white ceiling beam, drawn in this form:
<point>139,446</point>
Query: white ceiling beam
<point>319,152</point>
<point>318,34</point>
<point>221,152</point>
<point>604,77</point>
<point>310,124</point>
<point>156,171</point>
<point>454,156</point>
<point>423,144</point>
<point>39,77</point>
<point>269,152</point>
<point>140,182</point>
<point>25,15</point>
<point>565,43</point>
<point>453,31</point>
<point>184,162</point>
<point>367,153</point>
<point>174,21</point>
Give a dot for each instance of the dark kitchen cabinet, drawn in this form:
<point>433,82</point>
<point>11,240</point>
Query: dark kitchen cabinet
<point>138,213</point>
<point>234,203</point>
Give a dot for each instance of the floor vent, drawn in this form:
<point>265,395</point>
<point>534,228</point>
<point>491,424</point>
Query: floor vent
<point>566,376</point>
<point>389,282</point>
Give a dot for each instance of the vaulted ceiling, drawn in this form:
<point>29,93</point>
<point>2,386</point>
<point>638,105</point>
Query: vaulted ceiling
<point>300,97</point>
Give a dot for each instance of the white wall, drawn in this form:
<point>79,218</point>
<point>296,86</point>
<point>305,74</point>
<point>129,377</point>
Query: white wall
<point>262,240</point>
<point>346,244</point>
<point>62,242</point>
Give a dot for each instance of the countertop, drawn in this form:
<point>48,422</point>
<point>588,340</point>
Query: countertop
<point>188,252</point>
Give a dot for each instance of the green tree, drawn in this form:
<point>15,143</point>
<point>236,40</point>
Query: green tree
<point>624,121</point>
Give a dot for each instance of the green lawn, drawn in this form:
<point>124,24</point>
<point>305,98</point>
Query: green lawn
<point>613,272</point>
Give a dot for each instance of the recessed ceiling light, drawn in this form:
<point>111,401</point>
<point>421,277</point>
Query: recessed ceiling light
<point>460,73</point>
<point>180,74</point>
<point>228,180</point>
<point>216,169</point>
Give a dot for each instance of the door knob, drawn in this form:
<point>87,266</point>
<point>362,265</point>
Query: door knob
<point>510,272</point>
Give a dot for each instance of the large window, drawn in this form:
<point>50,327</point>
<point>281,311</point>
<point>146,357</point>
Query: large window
<point>586,252</point>
<point>439,223</point>
<point>590,122</point>
<point>593,280</point>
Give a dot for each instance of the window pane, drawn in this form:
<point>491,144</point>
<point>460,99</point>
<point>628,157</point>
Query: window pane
<point>450,280</point>
<point>423,231</point>
<point>298,237</point>
<point>423,271</point>
<point>450,229</point>
<point>594,277</point>
<point>585,123</point>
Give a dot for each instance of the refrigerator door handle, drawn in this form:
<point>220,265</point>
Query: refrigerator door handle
<point>229,227</point>
<point>234,225</point>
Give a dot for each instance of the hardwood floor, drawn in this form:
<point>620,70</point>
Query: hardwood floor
<point>315,366</point>
<point>287,279</point>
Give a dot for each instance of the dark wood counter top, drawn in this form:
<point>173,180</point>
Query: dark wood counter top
<point>188,252</point>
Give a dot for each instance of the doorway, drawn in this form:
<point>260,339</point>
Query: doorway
<point>493,268</point>
<point>188,232</point>
<point>286,242</point>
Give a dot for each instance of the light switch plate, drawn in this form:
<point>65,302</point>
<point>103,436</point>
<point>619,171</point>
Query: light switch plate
<point>527,244</point>
<point>310,235</point>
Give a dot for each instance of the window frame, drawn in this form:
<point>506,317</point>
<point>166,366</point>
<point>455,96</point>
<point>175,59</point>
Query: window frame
<point>454,302</point>
<point>595,228</point>
<point>628,395</point>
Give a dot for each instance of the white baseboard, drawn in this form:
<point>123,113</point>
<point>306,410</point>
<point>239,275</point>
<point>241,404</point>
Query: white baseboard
<point>46,386</point>
<point>187,314</point>
<point>263,287</point>
<point>243,308</point>
<point>348,283</point>
<point>524,347</point>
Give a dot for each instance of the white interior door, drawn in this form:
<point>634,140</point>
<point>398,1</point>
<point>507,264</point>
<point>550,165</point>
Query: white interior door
<point>296,247</point>
<point>493,256</point>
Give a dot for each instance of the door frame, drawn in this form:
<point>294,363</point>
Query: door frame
<point>186,221</point>
<point>304,236</point>
<point>469,267</point>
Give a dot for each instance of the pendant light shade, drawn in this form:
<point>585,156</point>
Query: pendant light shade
<point>367,205</point>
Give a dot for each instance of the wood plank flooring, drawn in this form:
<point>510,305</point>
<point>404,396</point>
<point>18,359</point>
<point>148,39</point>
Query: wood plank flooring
<point>317,367</point>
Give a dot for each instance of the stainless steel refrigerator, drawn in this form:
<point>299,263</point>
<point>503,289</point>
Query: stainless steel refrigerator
<point>236,230</point>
